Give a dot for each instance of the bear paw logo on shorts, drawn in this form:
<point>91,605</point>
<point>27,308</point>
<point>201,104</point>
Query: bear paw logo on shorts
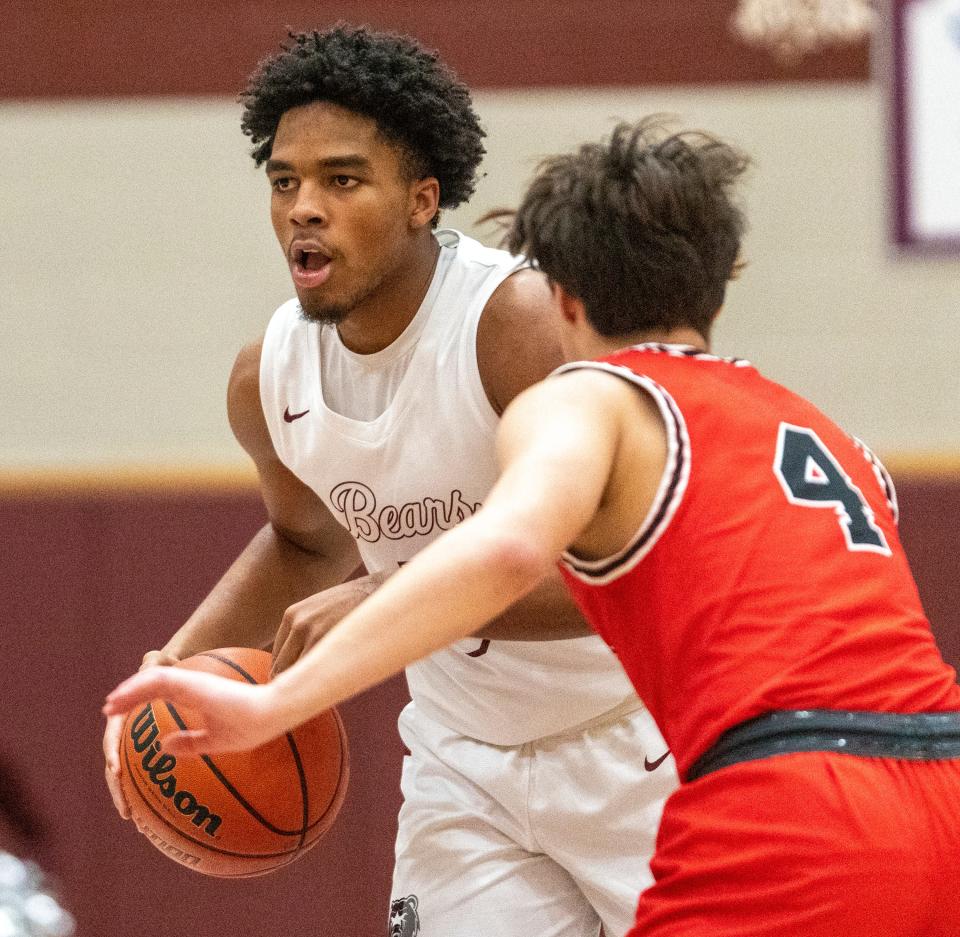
<point>404,920</point>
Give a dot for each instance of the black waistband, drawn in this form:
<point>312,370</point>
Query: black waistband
<point>914,736</point>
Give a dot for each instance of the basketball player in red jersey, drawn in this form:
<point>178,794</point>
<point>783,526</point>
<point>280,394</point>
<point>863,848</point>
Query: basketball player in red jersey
<point>736,548</point>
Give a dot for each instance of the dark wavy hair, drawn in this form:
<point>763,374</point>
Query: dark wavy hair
<point>417,102</point>
<point>643,230</point>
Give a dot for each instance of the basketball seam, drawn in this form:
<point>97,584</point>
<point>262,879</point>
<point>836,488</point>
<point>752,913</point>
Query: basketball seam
<point>304,794</point>
<point>305,825</point>
<point>225,781</point>
<point>343,774</point>
<point>199,842</point>
<point>342,769</point>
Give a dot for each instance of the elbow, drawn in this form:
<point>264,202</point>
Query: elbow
<point>519,561</point>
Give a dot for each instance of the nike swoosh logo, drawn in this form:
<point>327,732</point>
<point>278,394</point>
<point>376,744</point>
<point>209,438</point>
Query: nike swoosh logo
<point>480,651</point>
<point>653,765</point>
<point>290,417</point>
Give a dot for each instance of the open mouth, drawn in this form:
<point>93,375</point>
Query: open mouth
<point>310,267</point>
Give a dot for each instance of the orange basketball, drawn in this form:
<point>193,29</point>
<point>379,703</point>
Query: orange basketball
<point>237,814</point>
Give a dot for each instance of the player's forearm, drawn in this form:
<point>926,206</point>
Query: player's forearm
<point>547,613</point>
<point>413,614</point>
<point>245,607</point>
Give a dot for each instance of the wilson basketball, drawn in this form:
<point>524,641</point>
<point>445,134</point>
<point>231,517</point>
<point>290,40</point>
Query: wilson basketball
<point>237,814</point>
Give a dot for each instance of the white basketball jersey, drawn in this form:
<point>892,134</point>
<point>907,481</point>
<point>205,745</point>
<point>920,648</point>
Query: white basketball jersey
<point>418,468</point>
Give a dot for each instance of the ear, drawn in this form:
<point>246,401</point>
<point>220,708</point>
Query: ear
<point>424,201</point>
<point>571,309</point>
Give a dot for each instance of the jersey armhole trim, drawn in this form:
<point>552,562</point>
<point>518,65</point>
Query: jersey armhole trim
<point>274,337</point>
<point>883,477</point>
<point>670,491</point>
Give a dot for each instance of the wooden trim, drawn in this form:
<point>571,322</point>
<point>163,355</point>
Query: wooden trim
<point>127,479</point>
<point>239,479</point>
<point>943,466</point>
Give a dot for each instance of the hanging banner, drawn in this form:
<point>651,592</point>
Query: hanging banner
<point>926,118</point>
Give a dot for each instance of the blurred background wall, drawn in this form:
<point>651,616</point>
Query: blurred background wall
<point>136,257</point>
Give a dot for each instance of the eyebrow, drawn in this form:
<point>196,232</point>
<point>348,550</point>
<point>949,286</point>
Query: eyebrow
<point>347,161</point>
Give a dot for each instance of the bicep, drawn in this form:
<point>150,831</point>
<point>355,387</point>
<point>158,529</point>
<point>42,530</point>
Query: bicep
<point>299,515</point>
<point>556,450</point>
<point>296,512</point>
<point>518,340</point>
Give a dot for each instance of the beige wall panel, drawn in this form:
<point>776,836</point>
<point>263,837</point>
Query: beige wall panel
<point>826,306</point>
<point>137,257</point>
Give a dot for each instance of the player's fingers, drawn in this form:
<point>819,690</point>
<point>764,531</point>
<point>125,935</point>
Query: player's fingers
<point>288,651</point>
<point>283,632</point>
<point>116,793</point>
<point>111,743</point>
<point>157,659</point>
<point>189,742</point>
<point>111,770</point>
<point>140,688</point>
<point>176,685</point>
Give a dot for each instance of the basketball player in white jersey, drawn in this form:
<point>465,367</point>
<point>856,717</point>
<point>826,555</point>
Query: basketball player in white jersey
<point>536,778</point>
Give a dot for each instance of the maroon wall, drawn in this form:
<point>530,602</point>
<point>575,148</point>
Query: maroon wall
<point>94,580</point>
<point>90,583</point>
<point>929,512</point>
<point>72,48</point>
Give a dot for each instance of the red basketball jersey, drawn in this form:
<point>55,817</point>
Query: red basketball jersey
<point>768,573</point>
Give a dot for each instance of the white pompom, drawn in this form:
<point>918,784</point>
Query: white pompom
<point>792,29</point>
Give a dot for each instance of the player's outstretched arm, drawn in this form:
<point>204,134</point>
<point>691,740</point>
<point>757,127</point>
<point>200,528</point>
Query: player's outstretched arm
<point>557,453</point>
<point>228,715</point>
<point>521,317</point>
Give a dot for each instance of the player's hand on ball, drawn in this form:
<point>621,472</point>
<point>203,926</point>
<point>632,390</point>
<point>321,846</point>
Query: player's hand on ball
<point>306,622</point>
<point>226,715</point>
<point>111,770</point>
<point>111,740</point>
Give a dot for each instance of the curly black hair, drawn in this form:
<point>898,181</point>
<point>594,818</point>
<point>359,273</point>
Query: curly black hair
<point>644,229</point>
<point>417,102</point>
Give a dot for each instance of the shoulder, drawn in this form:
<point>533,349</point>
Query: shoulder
<point>517,337</point>
<point>601,403</point>
<point>593,391</point>
<point>522,303</point>
<point>244,408</point>
<point>615,390</point>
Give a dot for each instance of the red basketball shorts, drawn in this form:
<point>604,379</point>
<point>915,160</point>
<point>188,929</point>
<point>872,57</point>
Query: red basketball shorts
<point>809,845</point>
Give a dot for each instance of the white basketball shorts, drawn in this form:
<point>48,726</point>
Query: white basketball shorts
<point>545,839</point>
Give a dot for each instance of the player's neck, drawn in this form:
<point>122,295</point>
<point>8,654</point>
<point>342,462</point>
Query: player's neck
<point>606,345</point>
<point>380,319</point>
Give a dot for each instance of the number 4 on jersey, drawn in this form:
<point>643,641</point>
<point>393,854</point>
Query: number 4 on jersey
<point>812,477</point>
